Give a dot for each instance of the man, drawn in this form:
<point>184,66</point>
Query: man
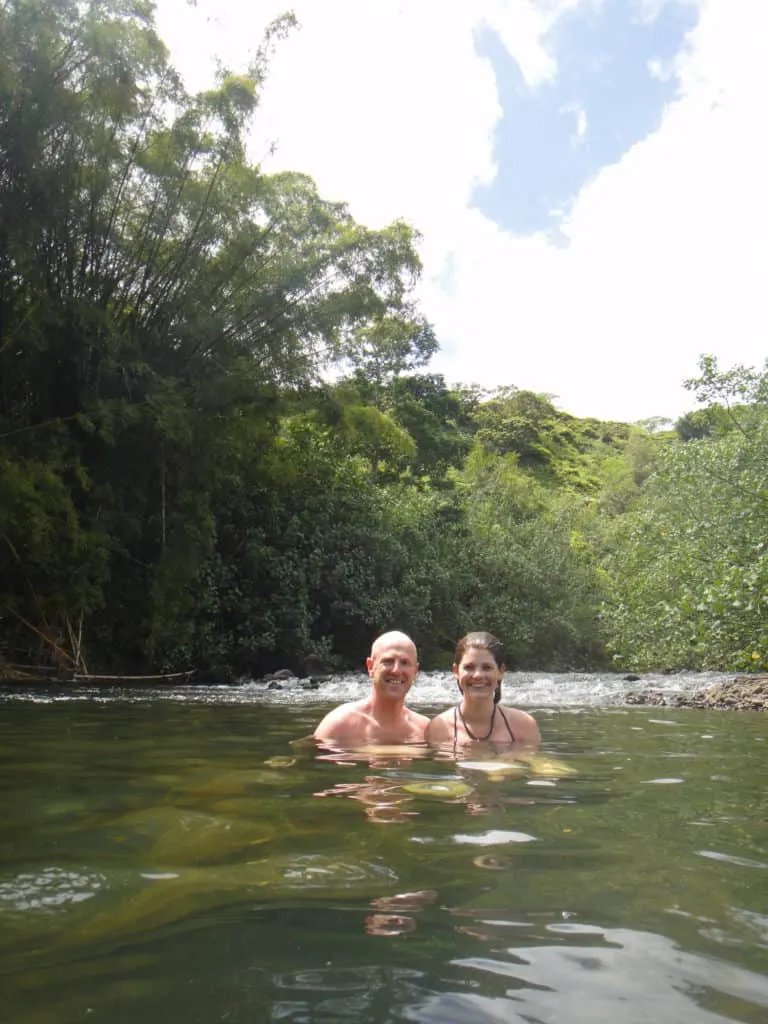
<point>381,717</point>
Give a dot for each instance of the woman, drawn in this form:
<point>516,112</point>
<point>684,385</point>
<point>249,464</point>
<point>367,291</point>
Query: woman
<point>478,665</point>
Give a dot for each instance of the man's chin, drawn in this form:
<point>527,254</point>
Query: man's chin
<point>394,691</point>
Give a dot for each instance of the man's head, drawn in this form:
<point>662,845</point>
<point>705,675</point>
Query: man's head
<point>392,665</point>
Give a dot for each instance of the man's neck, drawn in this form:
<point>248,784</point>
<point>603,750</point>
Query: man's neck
<point>386,711</point>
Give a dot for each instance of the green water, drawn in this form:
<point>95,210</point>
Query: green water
<point>153,868</point>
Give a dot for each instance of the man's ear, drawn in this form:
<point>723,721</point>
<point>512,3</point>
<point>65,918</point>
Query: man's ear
<point>369,664</point>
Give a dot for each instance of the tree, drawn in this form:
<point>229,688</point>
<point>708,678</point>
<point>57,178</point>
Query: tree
<point>688,573</point>
<point>522,570</point>
<point>155,291</point>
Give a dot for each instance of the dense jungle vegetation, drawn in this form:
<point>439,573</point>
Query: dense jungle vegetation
<point>220,442</point>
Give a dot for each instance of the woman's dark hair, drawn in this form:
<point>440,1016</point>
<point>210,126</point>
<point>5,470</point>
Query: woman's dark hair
<point>486,642</point>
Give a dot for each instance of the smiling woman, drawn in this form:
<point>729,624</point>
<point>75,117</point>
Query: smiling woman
<point>479,665</point>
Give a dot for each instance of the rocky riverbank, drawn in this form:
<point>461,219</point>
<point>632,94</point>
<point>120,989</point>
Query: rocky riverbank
<point>745,693</point>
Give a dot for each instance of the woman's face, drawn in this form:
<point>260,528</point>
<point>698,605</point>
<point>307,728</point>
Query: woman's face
<point>477,673</point>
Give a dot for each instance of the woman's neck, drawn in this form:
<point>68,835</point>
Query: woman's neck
<point>479,728</point>
<point>474,710</point>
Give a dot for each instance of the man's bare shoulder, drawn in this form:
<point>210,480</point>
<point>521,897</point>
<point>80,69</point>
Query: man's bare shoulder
<point>414,716</point>
<point>345,715</point>
<point>416,725</point>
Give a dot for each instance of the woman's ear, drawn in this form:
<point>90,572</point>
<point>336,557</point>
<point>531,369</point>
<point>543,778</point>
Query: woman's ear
<point>455,670</point>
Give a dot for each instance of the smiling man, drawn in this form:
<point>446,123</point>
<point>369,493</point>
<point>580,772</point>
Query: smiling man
<point>381,717</point>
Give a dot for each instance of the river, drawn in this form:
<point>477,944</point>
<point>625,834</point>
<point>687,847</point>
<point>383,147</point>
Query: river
<point>176,855</point>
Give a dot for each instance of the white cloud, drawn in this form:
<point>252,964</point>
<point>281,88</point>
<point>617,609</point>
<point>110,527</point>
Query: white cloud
<point>581,122</point>
<point>388,106</point>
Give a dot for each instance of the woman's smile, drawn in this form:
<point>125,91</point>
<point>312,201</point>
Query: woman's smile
<point>478,686</point>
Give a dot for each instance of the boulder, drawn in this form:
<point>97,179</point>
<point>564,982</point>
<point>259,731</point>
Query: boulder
<point>744,693</point>
<point>281,675</point>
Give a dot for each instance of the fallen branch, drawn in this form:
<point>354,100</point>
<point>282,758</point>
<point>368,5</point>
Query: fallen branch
<point>80,677</point>
<point>28,674</point>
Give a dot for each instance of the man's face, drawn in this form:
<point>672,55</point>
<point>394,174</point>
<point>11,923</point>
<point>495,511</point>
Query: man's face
<point>393,668</point>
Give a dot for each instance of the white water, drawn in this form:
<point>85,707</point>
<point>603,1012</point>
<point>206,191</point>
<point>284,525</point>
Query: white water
<point>432,689</point>
<point>524,689</point>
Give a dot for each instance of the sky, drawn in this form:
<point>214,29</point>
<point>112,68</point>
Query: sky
<point>588,177</point>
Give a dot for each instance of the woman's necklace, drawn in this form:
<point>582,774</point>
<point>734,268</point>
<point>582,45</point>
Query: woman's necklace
<point>469,731</point>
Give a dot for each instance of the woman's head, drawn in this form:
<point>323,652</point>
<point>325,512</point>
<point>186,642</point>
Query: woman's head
<point>483,642</point>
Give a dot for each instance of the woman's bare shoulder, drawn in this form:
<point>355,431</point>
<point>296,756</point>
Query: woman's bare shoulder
<point>516,713</point>
<point>445,716</point>
<point>522,724</point>
<point>440,726</point>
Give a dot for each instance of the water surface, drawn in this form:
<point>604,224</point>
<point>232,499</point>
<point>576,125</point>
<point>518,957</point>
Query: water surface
<point>159,861</point>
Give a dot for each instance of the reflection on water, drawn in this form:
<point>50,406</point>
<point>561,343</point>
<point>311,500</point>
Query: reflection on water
<point>188,861</point>
<point>611,975</point>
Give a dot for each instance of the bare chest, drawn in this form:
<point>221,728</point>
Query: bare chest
<point>405,731</point>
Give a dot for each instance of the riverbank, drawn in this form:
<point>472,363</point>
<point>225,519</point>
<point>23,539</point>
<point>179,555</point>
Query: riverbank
<point>744,693</point>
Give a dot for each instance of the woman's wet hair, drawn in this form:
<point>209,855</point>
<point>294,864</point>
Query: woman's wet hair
<point>486,642</point>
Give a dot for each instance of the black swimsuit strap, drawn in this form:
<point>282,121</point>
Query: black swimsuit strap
<point>456,727</point>
<point>509,730</point>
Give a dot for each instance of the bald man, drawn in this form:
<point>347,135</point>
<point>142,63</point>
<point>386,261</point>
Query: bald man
<point>382,717</point>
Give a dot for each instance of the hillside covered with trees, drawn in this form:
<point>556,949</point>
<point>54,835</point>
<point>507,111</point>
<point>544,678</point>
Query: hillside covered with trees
<point>220,442</point>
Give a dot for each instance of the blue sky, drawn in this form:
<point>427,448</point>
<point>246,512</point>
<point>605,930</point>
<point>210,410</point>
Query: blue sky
<point>606,96</point>
<point>587,176</point>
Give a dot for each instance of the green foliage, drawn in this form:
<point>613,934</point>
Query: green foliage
<point>624,476</point>
<point>51,570</point>
<point>559,449</point>
<point>524,568</point>
<point>693,426</point>
<point>689,570</point>
<point>423,428</point>
<point>739,385</point>
<point>314,560</point>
